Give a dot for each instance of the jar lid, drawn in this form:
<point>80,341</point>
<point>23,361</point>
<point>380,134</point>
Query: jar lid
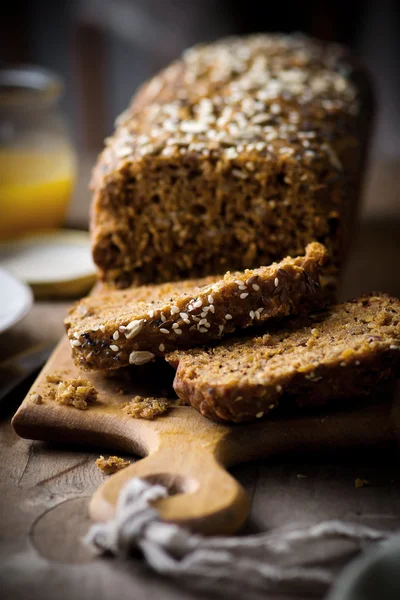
<point>28,86</point>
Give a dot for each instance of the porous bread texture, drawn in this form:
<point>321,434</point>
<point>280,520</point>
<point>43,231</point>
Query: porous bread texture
<point>147,407</point>
<point>122,327</point>
<point>77,392</point>
<point>112,464</point>
<point>238,154</point>
<point>340,353</point>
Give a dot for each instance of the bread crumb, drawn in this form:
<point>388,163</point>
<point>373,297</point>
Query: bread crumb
<point>146,408</point>
<point>53,378</point>
<point>112,464</point>
<point>36,398</point>
<point>360,483</point>
<point>76,392</point>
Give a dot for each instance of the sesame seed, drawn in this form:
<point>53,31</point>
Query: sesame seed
<point>164,330</point>
<point>95,328</point>
<point>210,299</point>
<point>394,347</point>
<point>192,328</point>
<point>204,313</point>
<point>114,348</point>
<point>212,309</point>
<point>102,328</point>
<point>75,343</point>
<point>121,328</point>
<point>163,317</point>
<point>255,287</point>
<point>140,357</point>
<point>220,329</point>
<point>151,314</point>
<point>76,335</point>
<point>252,314</point>
<point>202,321</point>
<point>174,310</point>
<point>243,296</point>
<point>187,321</point>
<point>242,287</point>
<point>228,317</point>
<point>116,335</point>
<point>161,347</point>
<point>203,330</point>
<point>357,363</point>
<point>271,406</point>
<point>184,315</point>
<point>342,364</point>
<point>260,414</point>
<point>276,282</point>
<point>175,325</point>
<point>178,331</point>
<point>239,282</point>
<point>133,328</point>
<point>239,174</point>
<point>278,388</point>
<point>208,325</point>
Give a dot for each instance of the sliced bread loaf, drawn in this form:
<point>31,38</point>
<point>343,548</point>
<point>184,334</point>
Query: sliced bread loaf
<point>238,154</point>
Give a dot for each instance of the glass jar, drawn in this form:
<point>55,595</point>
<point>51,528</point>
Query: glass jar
<point>37,159</point>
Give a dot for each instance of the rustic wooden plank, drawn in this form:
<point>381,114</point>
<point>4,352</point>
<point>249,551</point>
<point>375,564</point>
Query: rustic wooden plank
<point>45,516</point>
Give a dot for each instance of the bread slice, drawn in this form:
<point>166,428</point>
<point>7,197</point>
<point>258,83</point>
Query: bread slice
<point>338,353</point>
<point>133,326</point>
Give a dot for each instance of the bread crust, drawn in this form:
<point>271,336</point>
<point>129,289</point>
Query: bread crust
<point>236,155</point>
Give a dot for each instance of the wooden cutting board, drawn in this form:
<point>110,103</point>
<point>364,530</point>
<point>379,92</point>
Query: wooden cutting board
<point>183,449</point>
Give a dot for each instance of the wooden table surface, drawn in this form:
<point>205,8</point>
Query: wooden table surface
<point>45,489</point>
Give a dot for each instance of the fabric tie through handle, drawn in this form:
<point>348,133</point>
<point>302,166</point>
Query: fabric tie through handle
<point>283,560</point>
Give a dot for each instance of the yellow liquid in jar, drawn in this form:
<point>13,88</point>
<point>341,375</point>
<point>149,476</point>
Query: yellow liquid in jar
<point>35,189</point>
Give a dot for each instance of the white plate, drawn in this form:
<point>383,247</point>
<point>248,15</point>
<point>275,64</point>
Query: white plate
<point>53,263</point>
<point>15,300</point>
<point>49,257</point>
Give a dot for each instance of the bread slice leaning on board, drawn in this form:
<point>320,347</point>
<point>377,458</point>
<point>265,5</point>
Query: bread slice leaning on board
<point>122,327</point>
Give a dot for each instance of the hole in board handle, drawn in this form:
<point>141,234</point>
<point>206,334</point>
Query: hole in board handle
<point>175,484</point>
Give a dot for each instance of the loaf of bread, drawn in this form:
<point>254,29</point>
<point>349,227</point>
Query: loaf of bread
<point>122,327</point>
<point>238,154</point>
<point>332,356</point>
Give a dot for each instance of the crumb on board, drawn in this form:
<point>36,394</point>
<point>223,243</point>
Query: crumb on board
<point>301,476</point>
<point>146,408</point>
<point>76,392</point>
<point>360,483</point>
<point>36,398</point>
<point>54,377</point>
<point>112,464</point>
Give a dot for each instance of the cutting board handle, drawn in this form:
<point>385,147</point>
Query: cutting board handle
<point>203,496</point>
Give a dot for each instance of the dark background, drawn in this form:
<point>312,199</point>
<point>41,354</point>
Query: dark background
<point>105,49</point>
